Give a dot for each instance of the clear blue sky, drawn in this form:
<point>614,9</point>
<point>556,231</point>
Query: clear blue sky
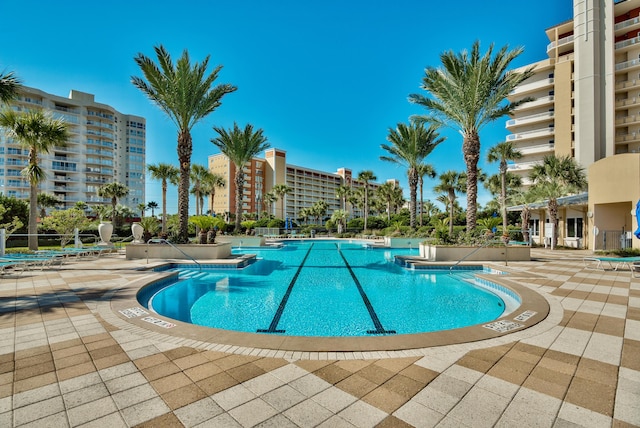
<point>324,79</point>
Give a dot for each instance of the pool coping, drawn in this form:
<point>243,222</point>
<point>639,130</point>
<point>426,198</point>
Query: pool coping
<point>534,311</point>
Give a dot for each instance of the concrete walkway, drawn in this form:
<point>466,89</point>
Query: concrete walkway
<point>66,359</point>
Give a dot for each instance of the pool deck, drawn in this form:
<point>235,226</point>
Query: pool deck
<point>68,357</point>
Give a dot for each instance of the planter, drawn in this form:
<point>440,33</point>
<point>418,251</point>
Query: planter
<point>138,232</point>
<point>105,230</point>
<point>179,251</point>
<point>242,241</point>
<point>442,253</point>
<point>401,242</point>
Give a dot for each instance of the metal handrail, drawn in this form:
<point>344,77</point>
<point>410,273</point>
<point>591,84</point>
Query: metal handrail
<point>164,241</point>
<point>493,241</point>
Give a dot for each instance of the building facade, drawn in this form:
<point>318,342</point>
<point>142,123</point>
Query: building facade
<point>261,174</point>
<point>105,146</point>
<point>586,104</point>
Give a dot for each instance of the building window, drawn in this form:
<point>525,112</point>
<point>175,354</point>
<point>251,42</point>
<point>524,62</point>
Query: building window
<point>534,226</point>
<point>574,227</point>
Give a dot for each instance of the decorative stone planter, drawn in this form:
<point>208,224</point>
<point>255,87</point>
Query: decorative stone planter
<point>442,253</point>
<point>105,230</point>
<point>401,242</point>
<point>179,251</point>
<point>242,241</point>
<point>137,231</point>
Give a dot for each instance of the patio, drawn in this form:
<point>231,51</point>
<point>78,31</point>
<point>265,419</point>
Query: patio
<point>67,359</point>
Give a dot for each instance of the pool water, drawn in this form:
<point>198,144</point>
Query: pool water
<point>327,288</point>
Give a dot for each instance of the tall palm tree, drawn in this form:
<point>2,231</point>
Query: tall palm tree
<point>185,93</point>
<point>525,198</point>
<point>342,192</point>
<point>424,170</point>
<point>209,185</point>
<point>9,86</point>
<point>38,132</point>
<point>339,217</point>
<point>410,145</point>
<point>166,174</point>
<point>503,152</point>
<point>114,191</point>
<point>366,177</point>
<point>468,92</point>
<point>240,146</point>
<point>319,210</point>
<point>199,174</point>
<point>142,207</point>
<point>153,206</point>
<point>555,177</point>
<point>269,199</point>
<point>450,183</point>
<point>386,193</point>
<point>280,190</point>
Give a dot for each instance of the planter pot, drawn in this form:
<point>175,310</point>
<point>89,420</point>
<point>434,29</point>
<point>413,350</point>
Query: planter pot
<point>105,230</point>
<point>138,232</point>
<point>441,253</point>
<point>179,251</point>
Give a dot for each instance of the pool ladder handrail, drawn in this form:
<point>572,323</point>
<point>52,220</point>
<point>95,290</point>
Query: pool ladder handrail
<point>489,241</point>
<point>164,241</point>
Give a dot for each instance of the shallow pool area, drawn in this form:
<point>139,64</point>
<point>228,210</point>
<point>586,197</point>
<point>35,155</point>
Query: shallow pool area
<point>328,289</point>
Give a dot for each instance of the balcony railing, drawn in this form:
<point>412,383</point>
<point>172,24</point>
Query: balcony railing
<point>533,86</point>
<point>530,134</point>
<point>531,118</point>
<point>540,101</point>
<point>628,42</point>
<point>540,148</point>
<point>628,119</point>
<point>562,42</point>
<point>623,138</point>
<point>627,64</point>
<point>628,23</point>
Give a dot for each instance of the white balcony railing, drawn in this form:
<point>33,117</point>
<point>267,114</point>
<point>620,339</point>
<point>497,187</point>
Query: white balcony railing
<point>540,148</point>
<point>530,134</point>
<point>533,86</point>
<point>627,64</point>
<point>628,23</point>
<point>562,42</point>
<point>628,42</point>
<point>530,118</point>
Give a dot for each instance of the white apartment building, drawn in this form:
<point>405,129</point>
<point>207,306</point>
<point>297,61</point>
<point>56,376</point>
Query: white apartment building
<point>105,146</point>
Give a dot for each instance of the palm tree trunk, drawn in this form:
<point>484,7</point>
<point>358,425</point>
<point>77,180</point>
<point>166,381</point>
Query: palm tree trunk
<point>553,218</point>
<point>239,189</point>
<point>471,150</point>
<point>33,217</point>
<point>452,198</point>
<point>413,189</point>
<point>185,150</point>
<point>524,215</point>
<point>164,206</point>
<point>503,198</point>
<point>421,202</point>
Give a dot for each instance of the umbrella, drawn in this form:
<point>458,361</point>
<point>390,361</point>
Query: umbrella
<point>637,232</point>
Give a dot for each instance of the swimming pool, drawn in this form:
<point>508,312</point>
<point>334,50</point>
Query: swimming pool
<point>326,288</point>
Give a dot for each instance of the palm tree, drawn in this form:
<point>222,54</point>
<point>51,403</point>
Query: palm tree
<point>342,193</point>
<point>9,86</point>
<point>165,173</point>
<point>555,177</point>
<point>240,146</point>
<point>199,174</point>
<point>410,145</point>
<point>47,200</point>
<point>366,177</point>
<point>38,132</point>
<point>525,199</point>
<point>153,206</point>
<point>339,217</point>
<point>269,199</point>
<point>114,191</point>
<point>185,94</point>
<point>468,92</point>
<point>142,207</point>
<point>386,193</point>
<point>280,190</point>
<point>503,152</point>
<point>424,170</point>
<point>450,183</point>
<point>319,210</point>
<point>304,214</point>
<point>209,184</point>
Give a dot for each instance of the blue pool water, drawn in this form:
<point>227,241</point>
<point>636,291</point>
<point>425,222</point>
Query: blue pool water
<point>327,288</point>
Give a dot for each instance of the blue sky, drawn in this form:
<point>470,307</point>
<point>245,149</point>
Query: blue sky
<point>324,79</point>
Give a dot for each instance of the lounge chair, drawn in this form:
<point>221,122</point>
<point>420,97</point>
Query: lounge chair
<point>615,263</point>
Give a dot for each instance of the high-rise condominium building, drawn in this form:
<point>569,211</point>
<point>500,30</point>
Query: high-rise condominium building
<point>105,146</point>
<point>307,186</point>
<point>587,105</point>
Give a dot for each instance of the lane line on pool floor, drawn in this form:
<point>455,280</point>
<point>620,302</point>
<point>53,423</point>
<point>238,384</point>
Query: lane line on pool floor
<point>372,313</point>
<point>276,318</point>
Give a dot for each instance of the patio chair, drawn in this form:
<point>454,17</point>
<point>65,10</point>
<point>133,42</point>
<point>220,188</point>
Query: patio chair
<point>615,263</point>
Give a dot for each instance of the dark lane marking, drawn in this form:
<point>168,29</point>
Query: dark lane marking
<point>276,318</point>
<point>372,313</point>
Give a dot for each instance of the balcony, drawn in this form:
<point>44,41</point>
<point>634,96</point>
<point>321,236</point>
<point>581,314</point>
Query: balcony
<point>625,103</point>
<point>521,166</point>
<point>628,65</point>
<point>540,148</point>
<point>626,45</point>
<point>627,85</point>
<point>561,46</point>
<point>626,26</point>
<point>628,138</point>
<point>523,120</point>
<point>528,135</point>
<point>628,120</point>
<point>538,102</point>
<point>528,88</point>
